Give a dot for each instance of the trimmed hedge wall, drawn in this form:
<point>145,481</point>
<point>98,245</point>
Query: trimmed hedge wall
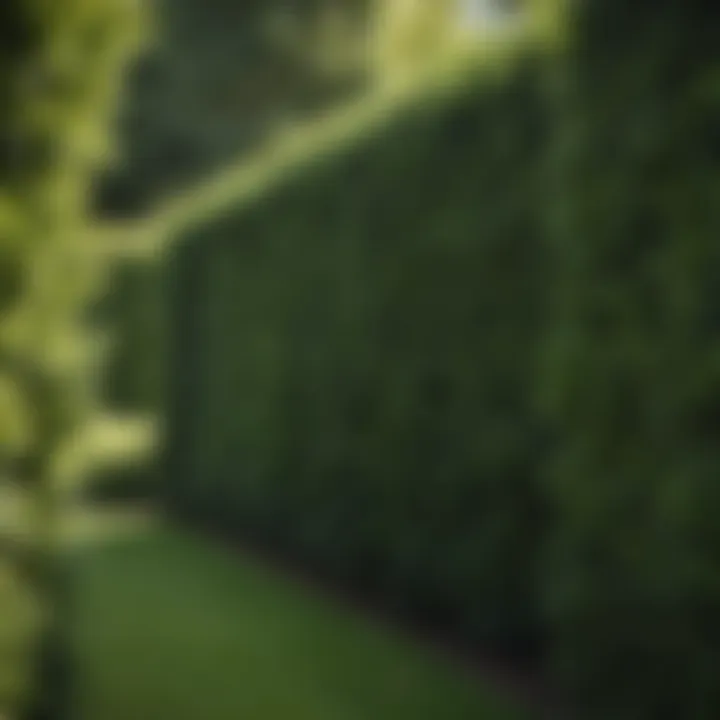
<point>633,365</point>
<point>369,342</point>
<point>471,362</point>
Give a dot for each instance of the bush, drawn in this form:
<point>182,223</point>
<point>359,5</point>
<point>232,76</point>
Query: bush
<point>634,557</point>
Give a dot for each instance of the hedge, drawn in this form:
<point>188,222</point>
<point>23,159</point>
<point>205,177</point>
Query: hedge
<point>469,361</point>
<point>633,557</point>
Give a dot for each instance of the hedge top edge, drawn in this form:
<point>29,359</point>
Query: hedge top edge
<point>242,184</point>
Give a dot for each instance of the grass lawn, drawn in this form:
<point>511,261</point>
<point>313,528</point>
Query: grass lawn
<point>173,628</point>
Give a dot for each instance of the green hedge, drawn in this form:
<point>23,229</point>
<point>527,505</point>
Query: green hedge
<point>633,560</point>
<point>135,304</point>
<point>470,361</point>
<point>369,341</point>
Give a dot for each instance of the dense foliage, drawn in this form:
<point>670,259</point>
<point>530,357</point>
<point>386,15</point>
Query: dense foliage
<point>220,78</point>
<point>59,77</point>
<point>470,362</point>
<point>341,406</point>
<point>633,573</point>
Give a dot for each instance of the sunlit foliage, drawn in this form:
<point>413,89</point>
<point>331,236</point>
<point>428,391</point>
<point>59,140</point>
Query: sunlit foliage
<point>60,73</point>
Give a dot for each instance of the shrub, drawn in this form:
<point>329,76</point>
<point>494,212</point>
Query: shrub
<point>633,557</point>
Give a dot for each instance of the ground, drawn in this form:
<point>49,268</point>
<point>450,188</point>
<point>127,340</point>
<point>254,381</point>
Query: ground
<point>172,626</point>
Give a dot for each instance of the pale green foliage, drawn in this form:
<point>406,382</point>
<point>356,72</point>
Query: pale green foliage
<point>412,35</point>
<point>60,90</point>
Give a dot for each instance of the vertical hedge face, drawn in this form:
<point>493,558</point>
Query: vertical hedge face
<point>369,343</point>
<point>634,561</point>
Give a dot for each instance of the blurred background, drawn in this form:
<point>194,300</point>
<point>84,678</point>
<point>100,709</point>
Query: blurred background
<point>359,359</point>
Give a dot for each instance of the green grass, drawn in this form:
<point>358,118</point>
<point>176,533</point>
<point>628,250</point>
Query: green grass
<point>20,609</point>
<point>173,628</point>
